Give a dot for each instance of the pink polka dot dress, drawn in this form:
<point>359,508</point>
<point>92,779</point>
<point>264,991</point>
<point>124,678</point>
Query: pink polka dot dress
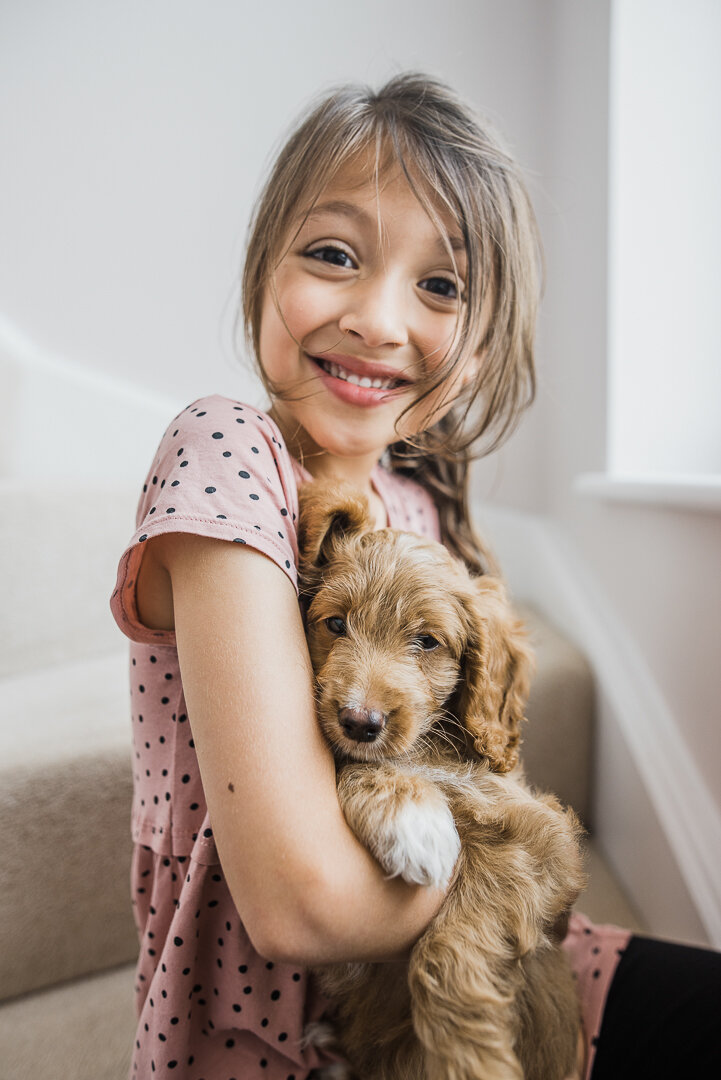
<point>209,1006</point>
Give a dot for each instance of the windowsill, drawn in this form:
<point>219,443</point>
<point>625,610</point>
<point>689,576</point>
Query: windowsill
<point>673,490</point>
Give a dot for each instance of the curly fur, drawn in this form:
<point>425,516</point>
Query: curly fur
<point>437,795</point>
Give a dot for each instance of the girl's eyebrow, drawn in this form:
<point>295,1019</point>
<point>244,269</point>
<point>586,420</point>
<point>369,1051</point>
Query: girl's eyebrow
<point>348,209</point>
<point>338,206</point>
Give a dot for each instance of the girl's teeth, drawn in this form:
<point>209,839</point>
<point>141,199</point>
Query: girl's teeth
<point>356,380</point>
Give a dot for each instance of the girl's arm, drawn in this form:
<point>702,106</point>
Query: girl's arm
<point>306,889</point>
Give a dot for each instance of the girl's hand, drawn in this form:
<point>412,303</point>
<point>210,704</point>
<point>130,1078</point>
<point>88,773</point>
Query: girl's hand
<point>306,889</point>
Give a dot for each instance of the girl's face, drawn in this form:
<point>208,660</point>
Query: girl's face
<point>363,303</point>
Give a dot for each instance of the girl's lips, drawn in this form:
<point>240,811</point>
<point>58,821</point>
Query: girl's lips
<point>352,380</point>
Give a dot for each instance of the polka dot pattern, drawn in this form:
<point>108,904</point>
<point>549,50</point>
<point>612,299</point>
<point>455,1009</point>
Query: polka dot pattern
<point>209,1007</point>
<point>594,952</point>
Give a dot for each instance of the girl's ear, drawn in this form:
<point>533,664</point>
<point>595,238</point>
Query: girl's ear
<point>329,510</point>
<point>497,668</point>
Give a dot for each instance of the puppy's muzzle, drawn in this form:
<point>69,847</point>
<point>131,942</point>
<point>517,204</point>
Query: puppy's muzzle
<point>362,725</point>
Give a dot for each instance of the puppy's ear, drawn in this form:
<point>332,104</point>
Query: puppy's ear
<point>497,669</point>
<point>329,510</point>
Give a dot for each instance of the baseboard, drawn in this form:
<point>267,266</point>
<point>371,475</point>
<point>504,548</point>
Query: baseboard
<point>542,568</point>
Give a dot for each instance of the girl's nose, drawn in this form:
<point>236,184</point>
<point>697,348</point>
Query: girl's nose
<point>375,314</point>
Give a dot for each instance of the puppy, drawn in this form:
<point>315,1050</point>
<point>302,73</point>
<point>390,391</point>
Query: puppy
<point>422,673</point>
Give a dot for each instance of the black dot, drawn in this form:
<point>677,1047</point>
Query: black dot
<point>255,497</point>
<point>170,510</point>
<point>244,474</point>
<point>239,421</point>
<point>209,490</point>
<point>175,483</point>
<point>217,434</point>
<point>597,973</point>
<point>247,989</point>
<point>226,453</point>
<point>183,464</point>
<point>230,1043</point>
<point>186,778</point>
<point>207,833</point>
<point>177,941</point>
<point>255,449</point>
<point>275,995</point>
<point>143,537</point>
<point>284,512</point>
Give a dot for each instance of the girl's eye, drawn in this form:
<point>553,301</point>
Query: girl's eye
<point>336,625</point>
<point>427,642</point>
<point>440,286</point>
<point>334,255</point>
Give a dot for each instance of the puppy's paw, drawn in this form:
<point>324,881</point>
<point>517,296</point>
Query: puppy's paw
<point>419,842</point>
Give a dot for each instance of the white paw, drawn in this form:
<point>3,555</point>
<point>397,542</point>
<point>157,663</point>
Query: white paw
<point>419,843</point>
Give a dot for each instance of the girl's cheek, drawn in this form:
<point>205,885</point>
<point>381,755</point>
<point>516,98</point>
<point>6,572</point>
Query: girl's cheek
<point>304,306</point>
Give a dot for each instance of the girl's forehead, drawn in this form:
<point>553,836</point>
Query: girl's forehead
<point>358,191</point>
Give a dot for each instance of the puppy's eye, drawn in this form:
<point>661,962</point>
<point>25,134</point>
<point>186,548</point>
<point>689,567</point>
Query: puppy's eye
<point>426,642</point>
<point>336,625</point>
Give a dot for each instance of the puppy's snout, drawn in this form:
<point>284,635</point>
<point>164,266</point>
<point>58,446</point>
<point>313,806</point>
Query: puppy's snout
<point>362,725</point>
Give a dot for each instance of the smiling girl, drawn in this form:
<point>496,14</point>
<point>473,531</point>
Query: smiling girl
<point>390,293</point>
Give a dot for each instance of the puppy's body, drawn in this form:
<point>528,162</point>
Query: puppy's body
<point>422,674</point>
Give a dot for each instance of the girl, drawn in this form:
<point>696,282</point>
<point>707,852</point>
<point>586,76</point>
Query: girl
<point>390,294</point>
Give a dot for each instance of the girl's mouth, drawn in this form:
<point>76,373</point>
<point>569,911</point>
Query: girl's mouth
<point>363,382</point>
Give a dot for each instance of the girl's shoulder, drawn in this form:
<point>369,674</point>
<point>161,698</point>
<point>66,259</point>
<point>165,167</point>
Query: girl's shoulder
<point>217,455</point>
<point>221,470</point>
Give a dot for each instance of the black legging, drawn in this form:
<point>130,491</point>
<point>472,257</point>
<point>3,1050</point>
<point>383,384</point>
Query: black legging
<point>662,1016</point>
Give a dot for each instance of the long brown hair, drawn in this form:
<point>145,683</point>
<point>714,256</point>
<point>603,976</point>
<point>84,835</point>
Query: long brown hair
<point>455,165</point>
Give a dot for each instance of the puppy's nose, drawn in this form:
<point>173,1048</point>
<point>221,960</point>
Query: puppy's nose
<point>362,725</point>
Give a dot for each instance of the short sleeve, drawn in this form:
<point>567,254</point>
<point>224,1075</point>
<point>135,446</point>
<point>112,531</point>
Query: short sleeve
<point>221,470</point>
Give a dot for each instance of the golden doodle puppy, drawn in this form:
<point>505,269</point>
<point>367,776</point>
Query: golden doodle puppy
<point>422,674</point>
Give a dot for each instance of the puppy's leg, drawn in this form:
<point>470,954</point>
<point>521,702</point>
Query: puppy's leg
<point>463,1002</point>
<point>403,818</point>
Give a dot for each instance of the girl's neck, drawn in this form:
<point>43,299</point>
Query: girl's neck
<point>321,465</point>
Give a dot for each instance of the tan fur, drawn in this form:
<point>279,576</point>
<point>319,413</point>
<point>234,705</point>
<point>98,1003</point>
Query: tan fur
<point>487,993</point>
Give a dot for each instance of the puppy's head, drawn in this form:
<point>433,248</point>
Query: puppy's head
<point>401,636</point>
